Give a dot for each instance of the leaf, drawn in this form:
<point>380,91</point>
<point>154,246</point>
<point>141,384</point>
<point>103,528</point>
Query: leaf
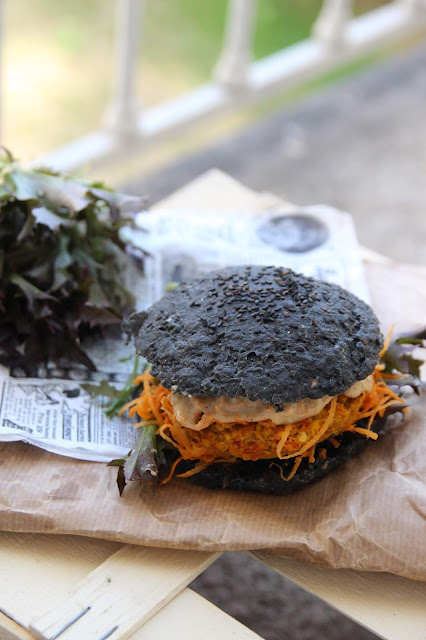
<point>103,389</point>
<point>22,185</point>
<point>118,462</point>
<point>42,271</point>
<point>31,292</point>
<point>415,341</point>
<point>121,480</point>
<point>52,191</point>
<point>26,229</point>
<point>68,352</point>
<point>44,216</point>
<point>413,365</point>
<point>125,203</point>
<point>81,256</point>
<point>398,358</point>
<point>119,397</point>
<point>99,316</point>
<point>142,464</point>
<point>125,395</point>
<point>125,359</point>
<point>396,408</point>
<point>8,157</point>
<point>97,296</point>
<point>62,264</point>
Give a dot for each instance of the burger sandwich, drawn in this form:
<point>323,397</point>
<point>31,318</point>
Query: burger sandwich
<point>260,379</point>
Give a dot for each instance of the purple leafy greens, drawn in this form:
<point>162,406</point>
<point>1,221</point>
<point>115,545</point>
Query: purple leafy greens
<point>144,460</point>
<point>399,359</point>
<point>61,265</point>
<point>145,457</point>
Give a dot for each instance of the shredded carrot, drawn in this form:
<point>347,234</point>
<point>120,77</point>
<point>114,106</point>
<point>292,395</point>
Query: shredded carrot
<point>154,406</point>
<point>140,378</point>
<point>129,405</point>
<point>295,468</point>
<point>365,432</point>
<point>318,435</point>
<point>172,470</point>
<point>387,342</point>
<point>198,467</point>
<point>393,376</point>
<point>147,388</point>
<point>296,465</point>
<point>283,439</point>
<point>162,431</point>
<point>380,398</point>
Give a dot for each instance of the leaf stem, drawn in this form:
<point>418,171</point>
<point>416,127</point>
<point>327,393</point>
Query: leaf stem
<point>125,393</point>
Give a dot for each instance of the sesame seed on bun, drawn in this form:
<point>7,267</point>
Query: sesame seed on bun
<point>265,333</point>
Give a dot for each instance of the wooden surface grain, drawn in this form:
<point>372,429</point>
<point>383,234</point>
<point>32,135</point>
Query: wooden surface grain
<point>39,572</point>
<point>122,593</point>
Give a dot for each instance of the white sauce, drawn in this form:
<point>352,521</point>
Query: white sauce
<point>198,413</point>
<point>359,387</point>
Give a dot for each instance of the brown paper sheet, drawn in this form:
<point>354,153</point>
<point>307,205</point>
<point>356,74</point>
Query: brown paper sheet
<point>367,515</point>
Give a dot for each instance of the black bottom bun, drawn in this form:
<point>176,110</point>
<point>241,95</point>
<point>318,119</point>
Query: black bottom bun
<point>264,476</point>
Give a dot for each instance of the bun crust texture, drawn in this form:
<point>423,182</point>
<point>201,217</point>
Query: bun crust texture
<point>264,333</point>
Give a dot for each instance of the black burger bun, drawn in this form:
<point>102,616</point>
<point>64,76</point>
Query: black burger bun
<point>265,333</point>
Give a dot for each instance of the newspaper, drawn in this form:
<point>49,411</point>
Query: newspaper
<point>57,411</point>
<point>319,241</point>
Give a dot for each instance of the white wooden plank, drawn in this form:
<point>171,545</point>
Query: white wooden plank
<point>215,190</point>
<point>191,617</point>
<point>122,593</point>
<point>37,572</point>
<point>392,607</point>
<point>10,630</point>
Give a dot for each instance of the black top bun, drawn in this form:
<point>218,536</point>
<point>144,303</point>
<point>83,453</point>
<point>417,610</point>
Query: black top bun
<point>266,333</point>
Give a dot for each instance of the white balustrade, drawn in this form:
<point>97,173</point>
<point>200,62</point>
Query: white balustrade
<point>234,61</point>
<point>415,7</point>
<point>122,115</point>
<point>330,26</point>
<point>337,38</point>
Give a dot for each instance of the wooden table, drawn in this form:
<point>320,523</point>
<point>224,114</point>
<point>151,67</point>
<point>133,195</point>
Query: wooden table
<point>95,589</point>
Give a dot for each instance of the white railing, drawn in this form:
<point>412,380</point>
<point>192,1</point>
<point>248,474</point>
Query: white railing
<point>337,38</point>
